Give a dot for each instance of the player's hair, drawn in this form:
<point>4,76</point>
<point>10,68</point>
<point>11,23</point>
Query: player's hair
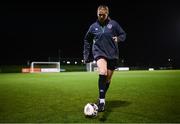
<point>103,7</point>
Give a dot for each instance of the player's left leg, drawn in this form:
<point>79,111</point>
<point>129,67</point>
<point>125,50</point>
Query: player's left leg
<point>111,65</point>
<point>108,79</point>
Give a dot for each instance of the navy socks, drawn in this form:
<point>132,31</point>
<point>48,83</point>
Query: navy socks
<point>102,85</point>
<point>106,86</point>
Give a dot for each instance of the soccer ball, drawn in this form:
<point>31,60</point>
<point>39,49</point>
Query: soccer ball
<point>90,110</point>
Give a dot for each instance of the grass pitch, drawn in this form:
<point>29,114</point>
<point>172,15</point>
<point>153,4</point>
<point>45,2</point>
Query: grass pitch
<point>133,96</point>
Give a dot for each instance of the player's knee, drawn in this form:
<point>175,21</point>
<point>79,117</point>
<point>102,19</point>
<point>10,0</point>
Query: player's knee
<point>103,72</point>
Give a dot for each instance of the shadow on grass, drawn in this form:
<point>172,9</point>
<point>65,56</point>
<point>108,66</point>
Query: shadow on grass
<point>111,106</point>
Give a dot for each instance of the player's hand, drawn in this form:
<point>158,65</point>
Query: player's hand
<point>115,39</point>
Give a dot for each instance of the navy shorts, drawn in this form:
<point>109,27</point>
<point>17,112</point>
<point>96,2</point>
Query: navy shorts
<point>111,63</point>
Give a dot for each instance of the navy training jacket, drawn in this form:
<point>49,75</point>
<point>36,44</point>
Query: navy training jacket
<point>98,40</point>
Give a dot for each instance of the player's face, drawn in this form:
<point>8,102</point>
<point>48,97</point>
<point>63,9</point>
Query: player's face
<point>102,15</point>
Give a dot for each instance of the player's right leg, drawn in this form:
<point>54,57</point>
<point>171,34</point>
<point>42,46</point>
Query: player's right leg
<point>102,68</point>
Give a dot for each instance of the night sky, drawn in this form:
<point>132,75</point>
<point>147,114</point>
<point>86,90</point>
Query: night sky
<point>39,31</point>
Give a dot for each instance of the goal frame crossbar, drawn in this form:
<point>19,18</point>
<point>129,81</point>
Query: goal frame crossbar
<point>55,69</point>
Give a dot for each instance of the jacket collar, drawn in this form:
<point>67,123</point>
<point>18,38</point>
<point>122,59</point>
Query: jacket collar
<point>105,22</point>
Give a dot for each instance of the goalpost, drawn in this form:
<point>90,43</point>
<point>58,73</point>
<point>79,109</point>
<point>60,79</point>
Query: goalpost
<point>45,67</point>
<point>91,67</point>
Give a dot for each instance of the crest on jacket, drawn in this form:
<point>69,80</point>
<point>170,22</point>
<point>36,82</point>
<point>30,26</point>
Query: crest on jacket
<point>109,26</point>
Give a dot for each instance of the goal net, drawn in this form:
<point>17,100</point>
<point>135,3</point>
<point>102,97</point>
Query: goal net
<point>45,67</point>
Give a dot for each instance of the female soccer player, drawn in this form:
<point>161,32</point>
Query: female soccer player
<point>101,41</point>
